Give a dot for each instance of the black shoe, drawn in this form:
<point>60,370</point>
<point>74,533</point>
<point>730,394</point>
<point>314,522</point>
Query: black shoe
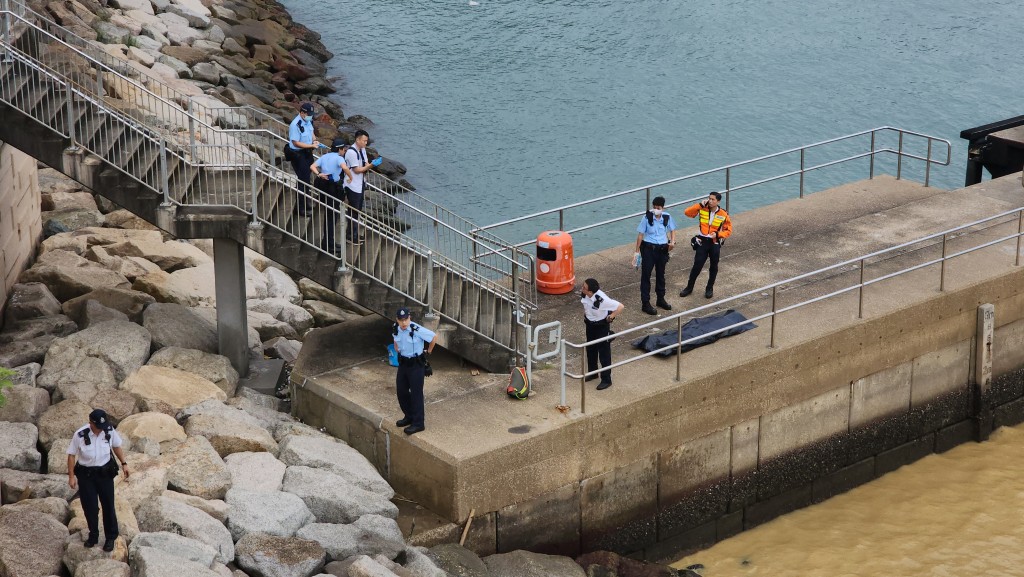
<point>413,429</point>
<point>663,304</point>
<point>647,308</point>
<point>403,422</point>
<point>108,545</point>
<point>604,385</point>
<point>686,292</point>
<point>709,293</point>
<point>590,378</point>
<point>91,542</point>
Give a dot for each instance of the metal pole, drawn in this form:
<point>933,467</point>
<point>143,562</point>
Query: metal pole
<point>583,381</point>
<point>437,240</point>
<point>928,164</point>
<point>899,158</point>
<point>69,111</point>
<point>871,169</point>
<point>860,292</point>
<point>801,173</point>
<point>648,205</point>
<point>561,219</point>
<point>430,283</point>
<point>1020,229</point>
<point>561,401</point>
<point>679,349</point>
<point>99,83</point>
<point>727,185</point>
<point>254,187</point>
<point>165,183</point>
<point>515,313</point>
<point>192,132</point>
<point>942,267</point>
<point>771,343</point>
<point>472,235</point>
<point>272,149</point>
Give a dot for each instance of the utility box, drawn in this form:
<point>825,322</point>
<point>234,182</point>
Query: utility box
<point>555,268</point>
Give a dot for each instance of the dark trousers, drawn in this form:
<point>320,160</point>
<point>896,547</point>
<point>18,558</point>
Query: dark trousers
<point>601,351</point>
<point>301,161</point>
<point>355,203</point>
<point>652,257</point>
<point>93,485</point>
<point>409,384</point>
<point>333,198</point>
<point>706,249</point>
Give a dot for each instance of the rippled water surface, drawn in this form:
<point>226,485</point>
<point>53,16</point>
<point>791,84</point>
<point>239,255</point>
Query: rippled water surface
<point>512,106</point>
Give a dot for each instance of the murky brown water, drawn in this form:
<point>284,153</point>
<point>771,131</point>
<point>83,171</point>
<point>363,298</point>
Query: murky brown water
<point>955,514</point>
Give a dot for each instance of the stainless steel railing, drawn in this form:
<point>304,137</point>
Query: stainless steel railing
<point>947,245</point>
<point>725,176</point>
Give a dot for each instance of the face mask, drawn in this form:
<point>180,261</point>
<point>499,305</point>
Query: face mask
<point>657,213</point>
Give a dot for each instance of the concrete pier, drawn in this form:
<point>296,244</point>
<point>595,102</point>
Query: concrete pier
<point>748,432</point>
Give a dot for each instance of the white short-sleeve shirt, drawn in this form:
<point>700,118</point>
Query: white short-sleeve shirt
<point>97,452</point>
<point>598,306</point>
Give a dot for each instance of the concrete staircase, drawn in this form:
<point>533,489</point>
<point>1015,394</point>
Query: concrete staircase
<point>134,141</point>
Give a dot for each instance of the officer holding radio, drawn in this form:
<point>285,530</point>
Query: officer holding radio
<point>715,226</point>
<point>414,344</point>
<point>599,310</point>
<point>656,237</point>
<point>92,469</point>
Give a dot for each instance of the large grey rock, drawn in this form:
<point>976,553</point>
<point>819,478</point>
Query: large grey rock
<point>369,535</point>
<point>527,564</point>
<point>52,506</point>
<point>24,404</point>
<point>76,554</point>
<point>181,547</point>
<point>143,5</point>
<point>79,391</point>
<point>147,482</point>
<point>195,468</point>
<point>255,344</point>
<point>18,447</point>
<point>127,301</point>
<point>57,457</point>
<point>326,314</point>
<point>60,421</point>
<point>15,485</point>
<point>249,396</point>
<point>153,562</point>
<point>280,514</point>
<point>174,325</point>
<point>28,301</point>
<point>32,351</point>
<point>163,514</point>
<point>336,457</point>
<point>334,499</point>
<point>260,472</point>
<point>285,311</point>
<point>215,508</point>
<point>264,555</point>
<point>118,404</point>
<point>212,407</point>
<point>177,389</point>
<point>212,367</point>
<point>282,348</point>
<point>269,327</point>
<point>122,347</point>
<point>26,374</point>
<point>52,326</point>
<point>103,568</point>
<point>68,275</point>
<point>156,426</point>
<point>93,313</point>
<point>31,543</point>
<point>67,219</point>
<point>170,256</point>
<point>363,566</point>
<point>281,286</point>
<point>231,436</point>
<point>419,564</point>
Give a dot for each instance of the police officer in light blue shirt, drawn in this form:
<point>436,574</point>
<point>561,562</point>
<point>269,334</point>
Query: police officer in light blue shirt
<point>414,344</point>
<point>328,171</point>
<point>301,144</point>
<point>656,236</point>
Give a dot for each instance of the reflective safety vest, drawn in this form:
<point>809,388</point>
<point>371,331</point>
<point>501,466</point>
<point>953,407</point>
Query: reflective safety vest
<point>720,222</point>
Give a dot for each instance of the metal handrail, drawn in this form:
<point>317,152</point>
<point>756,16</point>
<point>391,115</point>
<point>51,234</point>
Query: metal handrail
<point>729,187</point>
<point>773,289</point>
<point>239,165</point>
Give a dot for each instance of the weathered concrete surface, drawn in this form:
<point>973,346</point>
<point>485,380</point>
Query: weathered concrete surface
<point>828,374</point>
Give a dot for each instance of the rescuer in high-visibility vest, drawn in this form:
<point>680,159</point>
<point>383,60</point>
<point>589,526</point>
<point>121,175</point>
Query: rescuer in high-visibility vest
<point>715,227</point>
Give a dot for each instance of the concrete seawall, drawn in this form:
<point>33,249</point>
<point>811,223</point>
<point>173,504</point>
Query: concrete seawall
<point>20,224</point>
<point>749,433</point>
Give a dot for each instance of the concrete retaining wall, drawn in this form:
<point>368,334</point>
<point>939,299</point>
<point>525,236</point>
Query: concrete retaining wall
<point>20,225</point>
<point>704,460</point>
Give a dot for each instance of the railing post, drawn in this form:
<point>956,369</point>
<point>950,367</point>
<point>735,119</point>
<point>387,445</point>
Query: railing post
<point>583,380</point>
<point>802,150</point>
<point>165,182</point>
<point>192,132</point>
<point>99,84</point>
<point>430,284</point>
<point>472,235</point>
<point>728,174</point>
<point>1020,230</point>
<point>899,157</point>
<point>561,219</point>
<point>771,342</point>
<point>647,206</point>
<point>437,237</point>
<point>69,112</point>
<point>679,349</point>
<point>515,313</point>
<point>871,169</point>
<point>860,292</point>
<point>272,150</point>
<point>928,164</point>
<point>561,402</point>
<point>942,266</point>
<point>254,188</point>
<point>6,6</point>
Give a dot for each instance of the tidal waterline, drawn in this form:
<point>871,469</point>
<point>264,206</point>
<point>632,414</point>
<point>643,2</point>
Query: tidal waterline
<point>955,513</point>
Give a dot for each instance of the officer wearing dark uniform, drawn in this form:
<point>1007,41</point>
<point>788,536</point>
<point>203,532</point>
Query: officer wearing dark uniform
<point>301,145</point>
<point>599,310</point>
<point>91,471</point>
<point>414,345</point>
<point>656,236</point>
